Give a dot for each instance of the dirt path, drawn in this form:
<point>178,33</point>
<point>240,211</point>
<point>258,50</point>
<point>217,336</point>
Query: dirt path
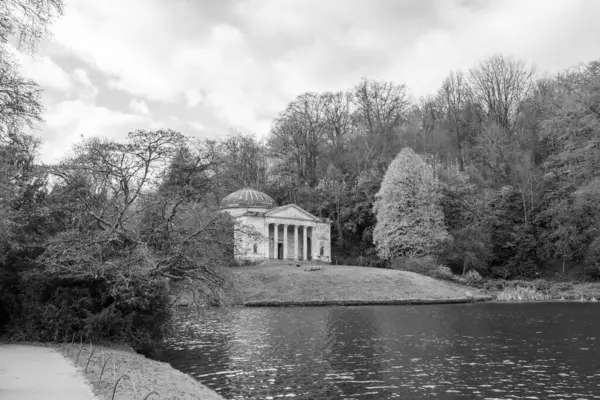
<point>32,373</point>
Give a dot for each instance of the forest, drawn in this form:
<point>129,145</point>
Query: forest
<point>95,242</point>
<point>516,156</point>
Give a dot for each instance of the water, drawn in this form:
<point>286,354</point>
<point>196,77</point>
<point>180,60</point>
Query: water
<point>472,351</point>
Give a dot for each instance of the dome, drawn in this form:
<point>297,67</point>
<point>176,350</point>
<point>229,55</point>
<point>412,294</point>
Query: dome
<point>246,198</point>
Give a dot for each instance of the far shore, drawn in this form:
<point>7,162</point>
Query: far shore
<point>286,284</point>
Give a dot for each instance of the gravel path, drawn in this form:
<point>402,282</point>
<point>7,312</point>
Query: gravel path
<point>31,373</point>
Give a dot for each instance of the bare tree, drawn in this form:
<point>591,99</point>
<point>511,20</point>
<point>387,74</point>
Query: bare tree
<point>454,97</point>
<point>380,108</point>
<point>500,84</point>
<point>29,19</point>
<point>297,137</point>
<point>140,206</point>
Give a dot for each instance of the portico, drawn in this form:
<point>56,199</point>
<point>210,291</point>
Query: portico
<point>289,241</point>
<point>281,233</point>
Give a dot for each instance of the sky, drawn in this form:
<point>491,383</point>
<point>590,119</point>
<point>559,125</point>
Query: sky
<point>208,67</point>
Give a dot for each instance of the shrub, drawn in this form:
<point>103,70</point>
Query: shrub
<point>443,272</point>
<point>421,265</point>
<point>493,285</point>
<point>563,286</point>
<point>501,271</point>
<point>132,311</point>
<point>541,284</point>
<point>592,268</point>
<point>377,263</point>
<point>473,277</point>
<point>467,248</point>
<point>522,294</point>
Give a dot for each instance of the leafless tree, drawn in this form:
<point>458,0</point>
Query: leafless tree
<point>298,137</point>
<point>500,84</point>
<point>380,108</point>
<point>29,19</point>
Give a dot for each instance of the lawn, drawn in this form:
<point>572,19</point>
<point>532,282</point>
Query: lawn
<point>335,282</point>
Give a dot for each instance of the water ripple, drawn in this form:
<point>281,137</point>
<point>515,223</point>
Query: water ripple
<point>480,351</point>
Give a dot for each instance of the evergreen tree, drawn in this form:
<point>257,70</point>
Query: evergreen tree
<point>410,221</point>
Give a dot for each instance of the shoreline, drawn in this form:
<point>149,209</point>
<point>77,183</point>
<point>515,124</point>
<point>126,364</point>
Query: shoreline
<point>325,303</point>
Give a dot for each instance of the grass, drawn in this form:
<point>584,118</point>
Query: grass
<point>335,284</point>
<point>522,294</point>
<point>147,375</point>
<point>542,290</point>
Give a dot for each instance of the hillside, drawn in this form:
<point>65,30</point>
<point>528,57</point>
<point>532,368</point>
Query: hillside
<point>287,283</point>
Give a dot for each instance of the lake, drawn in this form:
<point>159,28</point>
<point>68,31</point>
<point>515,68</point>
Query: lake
<point>470,351</point>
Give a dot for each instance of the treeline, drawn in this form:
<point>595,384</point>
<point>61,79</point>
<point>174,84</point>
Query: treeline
<point>517,155</point>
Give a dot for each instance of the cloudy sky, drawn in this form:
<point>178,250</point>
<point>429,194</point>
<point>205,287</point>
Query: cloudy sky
<point>204,67</point>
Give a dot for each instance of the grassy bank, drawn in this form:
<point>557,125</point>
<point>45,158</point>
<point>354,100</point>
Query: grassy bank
<point>139,375</point>
<point>335,284</point>
<point>542,290</point>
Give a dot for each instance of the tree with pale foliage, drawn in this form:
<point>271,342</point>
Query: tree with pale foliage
<point>410,221</point>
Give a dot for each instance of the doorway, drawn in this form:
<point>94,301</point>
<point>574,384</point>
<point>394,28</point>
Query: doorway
<point>308,249</point>
<point>280,251</point>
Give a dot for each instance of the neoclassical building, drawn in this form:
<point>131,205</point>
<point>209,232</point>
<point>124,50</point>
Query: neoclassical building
<point>285,233</point>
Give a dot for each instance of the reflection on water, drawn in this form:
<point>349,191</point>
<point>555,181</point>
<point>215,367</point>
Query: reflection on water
<point>475,351</point>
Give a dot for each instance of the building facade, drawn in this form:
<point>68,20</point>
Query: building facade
<point>266,232</point>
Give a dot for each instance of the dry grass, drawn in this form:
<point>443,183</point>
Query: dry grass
<point>147,375</point>
<point>580,291</point>
<point>523,294</point>
<point>336,283</point>
<point>542,290</point>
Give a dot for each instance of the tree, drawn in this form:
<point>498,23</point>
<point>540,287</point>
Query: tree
<point>29,19</point>
<point>380,108</point>
<point>338,125</point>
<point>20,109</point>
<point>567,217</point>
<point>456,102</point>
<point>297,137</point>
<point>141,207</point>
<point>409,219</point>
<point>500,84</point>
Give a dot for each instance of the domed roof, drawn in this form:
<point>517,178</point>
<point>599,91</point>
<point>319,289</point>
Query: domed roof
<point>247,197</point>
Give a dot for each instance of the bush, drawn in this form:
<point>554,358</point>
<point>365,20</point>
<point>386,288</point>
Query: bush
<point>132,311</point>
<point>563,286</point>
<point>443,272</point>
<point>541,284</point>
<point>522,294</point>
<point>421,265</point>
<point>493,285</point>
<point>473,277</point>
<point>501,271</point>
<point>377,263</point>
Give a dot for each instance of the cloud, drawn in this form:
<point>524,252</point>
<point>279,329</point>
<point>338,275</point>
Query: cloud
<point>139,107</point>
<point>68,121</point>
<point>45,72</point>
<point>85,88</point>
<point>236,64</point>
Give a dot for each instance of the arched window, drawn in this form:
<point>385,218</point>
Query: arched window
<point>255,248</point>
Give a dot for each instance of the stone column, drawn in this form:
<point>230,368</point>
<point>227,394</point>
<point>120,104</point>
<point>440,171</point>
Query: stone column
<point>296,242</point>
<point>304,242</point>
<point>275,240</point>
<point>285,250</point>
<point>266,242</point>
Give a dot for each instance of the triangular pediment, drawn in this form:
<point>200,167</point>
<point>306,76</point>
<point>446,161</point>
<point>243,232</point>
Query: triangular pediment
<point>291,211</point>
